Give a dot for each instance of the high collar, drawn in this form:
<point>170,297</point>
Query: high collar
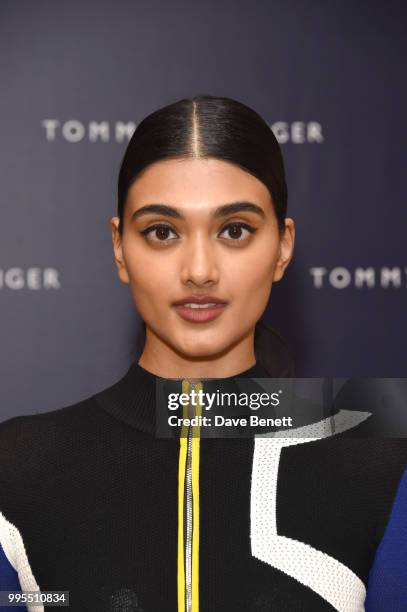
<point>132,398</point>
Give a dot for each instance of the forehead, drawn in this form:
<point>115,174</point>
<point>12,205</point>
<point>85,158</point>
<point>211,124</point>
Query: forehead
<point>196,182</point>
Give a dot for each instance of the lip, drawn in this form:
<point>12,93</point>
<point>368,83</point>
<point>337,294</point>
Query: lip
<point>199,299</point>
<point>200,315</point>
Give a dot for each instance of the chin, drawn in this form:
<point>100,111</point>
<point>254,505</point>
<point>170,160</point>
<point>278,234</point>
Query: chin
<point>199,348</point>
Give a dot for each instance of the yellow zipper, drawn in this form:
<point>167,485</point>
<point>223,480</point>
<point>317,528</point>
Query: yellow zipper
<point>188,508</point>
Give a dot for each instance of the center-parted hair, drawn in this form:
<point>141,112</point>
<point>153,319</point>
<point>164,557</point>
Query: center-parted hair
<point>205,127</point>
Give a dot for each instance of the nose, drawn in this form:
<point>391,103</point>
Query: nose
<point>199,261</point>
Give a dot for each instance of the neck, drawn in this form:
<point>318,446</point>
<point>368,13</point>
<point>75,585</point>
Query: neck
<point>164,361</point>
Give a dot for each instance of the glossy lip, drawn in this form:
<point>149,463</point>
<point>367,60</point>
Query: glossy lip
<point>200,315</point>
<point>199,299</point>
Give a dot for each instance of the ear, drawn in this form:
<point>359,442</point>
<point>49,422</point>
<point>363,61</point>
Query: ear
<point>118,251</point>
<point>286,249</point>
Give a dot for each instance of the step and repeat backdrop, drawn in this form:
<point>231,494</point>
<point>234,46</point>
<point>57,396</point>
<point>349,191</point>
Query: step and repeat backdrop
<point>77,77</point>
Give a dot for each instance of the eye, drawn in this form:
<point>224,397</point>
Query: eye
<point>161,230</point>
<point>237,231</point>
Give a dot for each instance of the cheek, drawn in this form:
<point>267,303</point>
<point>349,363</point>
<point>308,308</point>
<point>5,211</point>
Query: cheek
<point>251,279</point>
<point>151,280</point>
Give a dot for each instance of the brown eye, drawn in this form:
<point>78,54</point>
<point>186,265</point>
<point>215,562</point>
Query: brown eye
<point>161,232</point>
<point>237,231</point>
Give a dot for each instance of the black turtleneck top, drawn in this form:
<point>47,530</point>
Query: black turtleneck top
<point>93,503</point>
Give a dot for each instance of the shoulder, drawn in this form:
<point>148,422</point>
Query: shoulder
<point>35,454</point>
<point>14,427</point>
<point>31,444</point>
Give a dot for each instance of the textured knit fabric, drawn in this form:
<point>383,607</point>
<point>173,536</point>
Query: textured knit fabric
<point>89,505</point>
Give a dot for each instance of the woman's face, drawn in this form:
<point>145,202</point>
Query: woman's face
<point>195,246</point>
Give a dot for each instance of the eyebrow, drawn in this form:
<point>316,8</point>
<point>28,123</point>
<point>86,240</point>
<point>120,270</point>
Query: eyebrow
<point>220,211</point>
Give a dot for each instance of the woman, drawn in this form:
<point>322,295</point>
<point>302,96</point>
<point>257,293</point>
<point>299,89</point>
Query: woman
<point>94,503</point>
